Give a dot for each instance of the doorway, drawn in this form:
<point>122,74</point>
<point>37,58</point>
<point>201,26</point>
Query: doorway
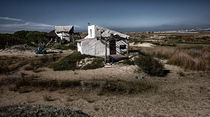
<point>112,47</point>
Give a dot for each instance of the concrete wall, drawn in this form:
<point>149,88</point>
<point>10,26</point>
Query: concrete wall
<point>92,47</point>
<point>79,48</point>
<point>95,47</point>
<point>91,32</point>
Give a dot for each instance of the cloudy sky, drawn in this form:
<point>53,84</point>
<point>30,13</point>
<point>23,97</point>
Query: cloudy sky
<point>122,15</point>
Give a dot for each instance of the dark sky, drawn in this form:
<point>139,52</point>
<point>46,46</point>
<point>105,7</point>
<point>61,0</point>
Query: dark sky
<point>122,15</point>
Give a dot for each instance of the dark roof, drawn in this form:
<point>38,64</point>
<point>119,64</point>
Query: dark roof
<point>51,34</point>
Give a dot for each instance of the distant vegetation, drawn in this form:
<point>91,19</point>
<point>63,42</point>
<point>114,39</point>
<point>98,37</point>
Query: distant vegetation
<point>7,40</point>
<point>32,38</point>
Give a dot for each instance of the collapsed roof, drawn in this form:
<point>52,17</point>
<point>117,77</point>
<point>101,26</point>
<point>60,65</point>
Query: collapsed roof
<point>105,33</point>
<point>51,34</point>
<point>64,32</point>
<point>65,29</point>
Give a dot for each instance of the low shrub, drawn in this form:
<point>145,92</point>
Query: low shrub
<point>103,86</point>
<point>128,62</point>
<point>159,52</point>
<point>71,62</point>
<point>8,40</point>
<point>48,98</point>
<point>42,61</point>
<point>9,64</point>
<point>47,84</point>
<point>127,87</point>
<point>96,63</point>
<point>71,46</point>
<point>150,66</point>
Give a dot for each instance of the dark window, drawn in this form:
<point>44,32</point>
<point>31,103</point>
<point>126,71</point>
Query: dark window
<point>122,46</point>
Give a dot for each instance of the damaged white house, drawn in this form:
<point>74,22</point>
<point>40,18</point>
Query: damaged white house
<point>103,42</point>
<point>65,32</point>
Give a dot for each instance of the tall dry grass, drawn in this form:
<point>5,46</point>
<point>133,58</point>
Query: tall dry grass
<point>160,52</point>
<point>192,59</point>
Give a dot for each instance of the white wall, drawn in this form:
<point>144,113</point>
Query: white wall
<point>93,47</point>
<point>79,48</point>
<point>121,42</point>
<point>93,34</point>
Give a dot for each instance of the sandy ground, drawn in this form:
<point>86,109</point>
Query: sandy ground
<point>26,53</point>
<point>142,45</point>
<point>186,96</point>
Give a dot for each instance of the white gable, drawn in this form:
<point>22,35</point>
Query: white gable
<point>95,31</point>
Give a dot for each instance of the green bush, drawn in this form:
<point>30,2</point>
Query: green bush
<point>69,62</point>
<point>150,65</point>
<point>128,62</point>
<point>66,47</point>
<point>22,37</point>
<point>96,63</point>
<point>35,37</point>
<point>128,87</point>
<point>21,34</point>
<point>7,40</point>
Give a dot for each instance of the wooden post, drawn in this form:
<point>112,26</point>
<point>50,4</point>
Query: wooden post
<point>128,48</point>
<point>73,37</point>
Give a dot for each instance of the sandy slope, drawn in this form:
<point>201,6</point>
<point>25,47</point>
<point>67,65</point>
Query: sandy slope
<point>187,96</point>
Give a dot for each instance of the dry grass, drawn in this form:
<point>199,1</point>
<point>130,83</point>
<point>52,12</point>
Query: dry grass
<point>159,52</point>
<point>102,86</point>
<point>48,98</point>
<point>9,64</point>
<point>150,66</point>
<point>43,61</point>
<point>192,59</point>
<point>71,61</point>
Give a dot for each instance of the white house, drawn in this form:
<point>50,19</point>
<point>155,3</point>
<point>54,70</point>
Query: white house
<point>99,38</point>
<point>65,32</point>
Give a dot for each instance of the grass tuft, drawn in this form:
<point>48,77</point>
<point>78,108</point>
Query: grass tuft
<point>48,98</point>
<point>150,65</point>
<point>96,63</point>
<point>100,87</point>
<point>192,59</point>
<point>71,62</point>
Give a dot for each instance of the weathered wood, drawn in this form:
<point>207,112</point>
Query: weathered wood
<point>118,57</point>
<point>128,48</point>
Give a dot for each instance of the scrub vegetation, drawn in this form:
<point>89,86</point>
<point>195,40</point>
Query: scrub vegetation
<point>32,38</point>
<point>150,66</point>
<point>71,62</point>
<point>98,86</point>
